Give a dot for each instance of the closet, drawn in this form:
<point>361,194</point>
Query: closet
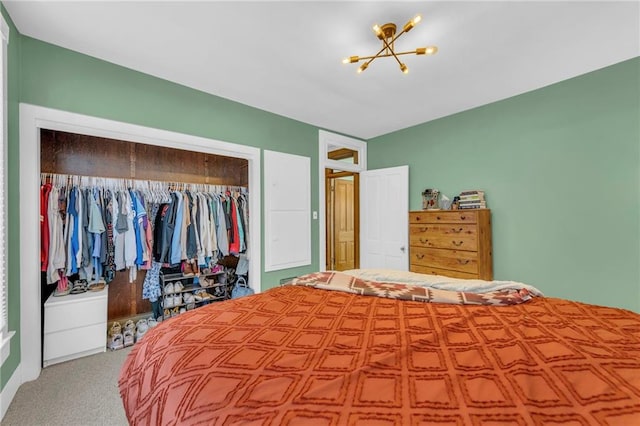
<point>80,155</point>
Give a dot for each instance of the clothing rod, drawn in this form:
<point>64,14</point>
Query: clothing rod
<point>80,180</point>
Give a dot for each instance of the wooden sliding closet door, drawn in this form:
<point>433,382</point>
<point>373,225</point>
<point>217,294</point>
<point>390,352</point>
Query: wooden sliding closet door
<point>73,154</point>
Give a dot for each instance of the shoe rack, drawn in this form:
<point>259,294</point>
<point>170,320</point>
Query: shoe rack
<point>180,292</point>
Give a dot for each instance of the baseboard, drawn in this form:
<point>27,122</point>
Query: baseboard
<point>9,391</point>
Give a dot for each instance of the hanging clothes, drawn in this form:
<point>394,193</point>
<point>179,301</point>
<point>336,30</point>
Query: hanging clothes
<point>95,229</point>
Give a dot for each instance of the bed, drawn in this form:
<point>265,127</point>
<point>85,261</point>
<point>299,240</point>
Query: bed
<point>383,348</point>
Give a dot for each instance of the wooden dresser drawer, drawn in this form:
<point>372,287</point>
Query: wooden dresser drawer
<point>447,273</point>
<point>444,216</point>
<point>439,235</point>
<point>453,260</point>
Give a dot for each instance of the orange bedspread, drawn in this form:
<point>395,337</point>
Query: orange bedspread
<point>299,355</point>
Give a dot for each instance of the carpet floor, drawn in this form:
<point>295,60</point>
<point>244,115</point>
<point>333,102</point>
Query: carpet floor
<point>81,392</point>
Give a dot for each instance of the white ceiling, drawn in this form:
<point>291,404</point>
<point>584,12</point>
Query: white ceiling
<point>285,57</point>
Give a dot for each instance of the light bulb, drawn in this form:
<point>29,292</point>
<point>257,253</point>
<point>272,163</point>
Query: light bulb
<point>351,59</point>
<point>431,50</point>
<point>412,23</point>
<point>362,67</point>
<point>404,68</point>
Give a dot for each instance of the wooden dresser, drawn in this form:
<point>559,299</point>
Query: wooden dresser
<point>454,243</point>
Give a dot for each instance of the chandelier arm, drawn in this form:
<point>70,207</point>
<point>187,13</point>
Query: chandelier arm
<point>391,50</point>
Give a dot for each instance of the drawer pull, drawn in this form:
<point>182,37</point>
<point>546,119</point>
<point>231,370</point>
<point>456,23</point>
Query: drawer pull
<point>463,261</point>
<point>420,256</point>
<point>437,217</point>
<point>458,243</point>
<point>423,240</point>
<point>456,231</point>
<point>424,229</point>
<point>417,218</point>
<point>463,217</point>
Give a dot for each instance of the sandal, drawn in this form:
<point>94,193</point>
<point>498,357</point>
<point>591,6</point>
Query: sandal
<point>63,287</point>
<point>79,286</point>
<point>97,285</point>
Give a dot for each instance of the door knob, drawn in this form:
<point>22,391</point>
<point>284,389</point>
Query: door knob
<point>402,249</point>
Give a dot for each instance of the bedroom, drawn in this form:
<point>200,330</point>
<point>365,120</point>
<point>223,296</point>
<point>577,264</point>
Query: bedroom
<point>561,169</point>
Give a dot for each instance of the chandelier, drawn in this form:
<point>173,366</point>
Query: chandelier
<point>387,34</point>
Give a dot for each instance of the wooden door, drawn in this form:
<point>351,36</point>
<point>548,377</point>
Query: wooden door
<point>344,220</point>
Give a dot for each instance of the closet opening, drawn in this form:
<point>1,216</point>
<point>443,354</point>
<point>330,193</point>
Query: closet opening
<point>105,170</point>
<point>33,118</point>
<point>342,207</point>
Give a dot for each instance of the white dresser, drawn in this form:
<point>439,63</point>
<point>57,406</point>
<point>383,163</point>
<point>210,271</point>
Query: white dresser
<point>75,326</point>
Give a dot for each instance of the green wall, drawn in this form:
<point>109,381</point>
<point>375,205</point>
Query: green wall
<point>13,231</point>
<point>560,167</point>
<point>49,76</point>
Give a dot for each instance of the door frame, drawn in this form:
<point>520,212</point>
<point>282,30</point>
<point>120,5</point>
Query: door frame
<point>325,140</point>
<point>32,119</point>
<point>356,211</point>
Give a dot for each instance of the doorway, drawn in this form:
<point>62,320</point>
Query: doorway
<point>342,220</point>
<point>341,159</point>
<point>32,120</point>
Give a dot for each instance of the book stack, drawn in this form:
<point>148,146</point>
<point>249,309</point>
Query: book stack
<point>472,200</point>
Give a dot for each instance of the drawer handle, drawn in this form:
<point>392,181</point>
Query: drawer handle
<point>456,231</point>
<point>423,229</point>
<point>418,218</point>
<point>437,217</point>
<point>457,244</point>
<point>463,262</point>
<point>420,256</point>
<point>423,241</point>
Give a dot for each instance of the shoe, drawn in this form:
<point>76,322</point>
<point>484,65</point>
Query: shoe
<point>177,287</point>
<point>217,269</point>
<point>197,297</point>
<point>152,322</point>
<point>141,328</point>
<point>116,341</point>
<point>129,326</point>
<point>187,269</point>
<point>115,329</point>
<point>97,285</point>
<point>79,286</point>
<point>183,310</point>
<point>167,302</point>
<point>128,337</point>
<point>175,311</point>
<point>187,297</point>
<point>168,289</point>
<point>177,300</point>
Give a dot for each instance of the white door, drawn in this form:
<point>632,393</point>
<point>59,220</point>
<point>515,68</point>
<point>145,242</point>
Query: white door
<point>384,218</point>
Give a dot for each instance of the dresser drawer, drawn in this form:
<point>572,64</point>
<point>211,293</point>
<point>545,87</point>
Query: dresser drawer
<point>435,271</point>
<point>444,216</point>
<point>70,343</point>
<point>447,236</point>
<point>455,260</point>
<point>73,311</point>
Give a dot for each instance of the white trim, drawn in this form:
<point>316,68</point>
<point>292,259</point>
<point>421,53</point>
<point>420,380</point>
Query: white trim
<point>32,119</point>
<point>4,193</point>
<point>324,140</point>
<point>4,29</point>
<point>9,391</point>
<point>5,346</point>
